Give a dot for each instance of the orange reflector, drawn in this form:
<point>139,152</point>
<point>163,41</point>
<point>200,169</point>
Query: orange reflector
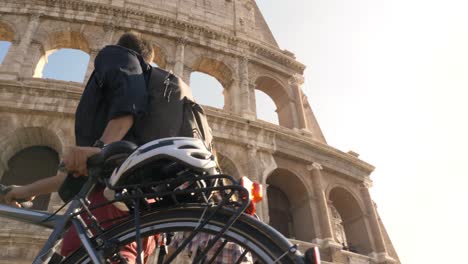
<point>255,189</point>
<point>257,192</point>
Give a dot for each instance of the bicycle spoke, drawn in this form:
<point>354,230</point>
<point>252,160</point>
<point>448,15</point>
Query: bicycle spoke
<point>137,229</point>
<point>181,247</point>
<point>241,258</point>
<point>218,251</point>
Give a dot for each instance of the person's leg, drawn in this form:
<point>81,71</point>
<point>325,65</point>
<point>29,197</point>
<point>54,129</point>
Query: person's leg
<point>71,241</point>
<point>130,251</point>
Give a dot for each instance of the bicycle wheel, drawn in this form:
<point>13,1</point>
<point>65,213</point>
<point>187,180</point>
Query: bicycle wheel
<point>264,243</point>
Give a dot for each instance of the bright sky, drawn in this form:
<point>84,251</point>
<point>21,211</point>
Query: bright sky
<point>389,80</point>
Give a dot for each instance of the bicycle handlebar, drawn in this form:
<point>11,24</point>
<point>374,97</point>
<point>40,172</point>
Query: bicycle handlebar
<point>23,202</point>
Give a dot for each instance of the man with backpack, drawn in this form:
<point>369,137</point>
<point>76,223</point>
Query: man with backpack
<point>114,99</point>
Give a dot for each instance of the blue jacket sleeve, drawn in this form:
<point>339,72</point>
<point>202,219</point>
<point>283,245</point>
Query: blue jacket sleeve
<point>123,82</point>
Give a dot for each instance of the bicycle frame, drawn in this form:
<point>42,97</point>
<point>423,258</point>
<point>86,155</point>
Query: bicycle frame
<point>59,224</point>
<point>28,216</point>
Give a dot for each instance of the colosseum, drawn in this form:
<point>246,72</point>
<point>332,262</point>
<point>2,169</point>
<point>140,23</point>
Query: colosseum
<point>315,194</point>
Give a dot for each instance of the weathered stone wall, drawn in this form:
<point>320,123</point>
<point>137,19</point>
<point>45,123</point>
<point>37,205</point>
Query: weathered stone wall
<point>227,39</point>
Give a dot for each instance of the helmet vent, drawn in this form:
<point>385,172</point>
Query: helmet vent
<point>188,147</point>
<point>198,155</point>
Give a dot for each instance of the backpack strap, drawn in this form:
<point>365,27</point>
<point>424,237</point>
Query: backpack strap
<point>195,119</point>
<point>161,78</point>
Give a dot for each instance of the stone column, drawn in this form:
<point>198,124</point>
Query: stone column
<point>108,35</point>
<point>253,174</point>
<point>326,230</point>
<point>229,93</point>
<point>92,56</point>
<point>256,165</point>
<point>6,70</point>
<point>376,232</point>
<point>25,42</point>
<point>35,60</point>
<point>295,83</point>
<point>19,50</point>
<point>287,116</point>
<point>246,101</point>
<point>329,247</point>
<point>179,57</point>
<point>186,75</point>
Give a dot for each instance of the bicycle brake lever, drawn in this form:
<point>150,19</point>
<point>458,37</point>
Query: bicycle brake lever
<point>23,202</point>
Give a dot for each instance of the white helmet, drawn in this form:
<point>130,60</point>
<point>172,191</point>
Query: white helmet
<point>189,152</point>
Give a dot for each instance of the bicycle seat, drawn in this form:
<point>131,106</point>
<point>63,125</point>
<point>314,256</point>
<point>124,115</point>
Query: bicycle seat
<point>118,148</point>
<point>112,155</point>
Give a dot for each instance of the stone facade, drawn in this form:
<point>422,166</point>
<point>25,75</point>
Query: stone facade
<point>326,196</point>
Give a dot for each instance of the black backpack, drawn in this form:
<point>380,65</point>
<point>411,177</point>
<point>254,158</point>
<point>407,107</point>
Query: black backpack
<point>171,111</point>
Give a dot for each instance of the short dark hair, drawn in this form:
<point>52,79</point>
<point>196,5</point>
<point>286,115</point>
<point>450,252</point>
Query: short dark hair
<point>143,47</point>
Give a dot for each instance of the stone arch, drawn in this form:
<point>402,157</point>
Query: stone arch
<point>280,95</point>
<point>216,68</point>
<point>59,40</point>
<point>331,187</point>
<point>227,166</point>
<point>288,205</point>
<point>353,220</point>
<point>67,39</point>
<point>25,137</point>
<point>25,145</point>
<point>29,165</point>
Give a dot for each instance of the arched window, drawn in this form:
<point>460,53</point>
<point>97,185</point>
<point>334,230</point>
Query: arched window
<point>279,211</point>
<point>29,165</point>
<point>352,219</point>
<point>266,108</point>
<point>279,95</point>
<point>207,90</point>
<point>4,47</point>
<point>289,211</point>
<point>65,65</point>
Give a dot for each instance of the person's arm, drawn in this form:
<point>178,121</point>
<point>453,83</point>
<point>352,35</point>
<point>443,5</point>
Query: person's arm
<point>75,157</point>
<point>124,87</point>
<point>28,192</point>
<point>117,128</point>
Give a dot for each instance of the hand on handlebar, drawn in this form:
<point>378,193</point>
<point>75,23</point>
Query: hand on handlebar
<point>18,196</point>
<point>75,159</point>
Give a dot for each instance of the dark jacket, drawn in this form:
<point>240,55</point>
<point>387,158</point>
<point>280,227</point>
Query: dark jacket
<point>117,87</point>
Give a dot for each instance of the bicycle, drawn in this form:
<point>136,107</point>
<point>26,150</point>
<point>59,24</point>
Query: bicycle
<point>173,198</point>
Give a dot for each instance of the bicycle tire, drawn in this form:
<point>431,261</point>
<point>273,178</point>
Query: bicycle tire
<point>264,242</point>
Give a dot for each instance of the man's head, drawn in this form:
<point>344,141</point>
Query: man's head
<point>133,42</point>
